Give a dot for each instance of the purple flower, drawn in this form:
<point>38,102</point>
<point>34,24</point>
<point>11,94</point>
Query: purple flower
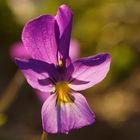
<point>50,69</point>
<point>18,51</point>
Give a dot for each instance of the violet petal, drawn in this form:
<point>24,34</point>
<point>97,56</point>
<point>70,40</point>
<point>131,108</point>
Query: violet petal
<point>38,74</point>
<point>62,119</point>
<point>40,39</point>
<point>86,72</point>
<point>64,21</point>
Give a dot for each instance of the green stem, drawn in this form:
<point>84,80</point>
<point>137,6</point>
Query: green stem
<point>44,136</point>
<point>9,95</point>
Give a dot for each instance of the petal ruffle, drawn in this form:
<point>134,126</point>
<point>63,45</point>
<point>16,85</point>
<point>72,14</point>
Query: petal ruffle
<point>39,74</point>
<point>40,38</point>
<point>86,72</point>
<point>56,119</point>
<point>64,21</point>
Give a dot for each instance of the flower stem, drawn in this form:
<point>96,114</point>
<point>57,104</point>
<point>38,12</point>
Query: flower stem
<point>44,136</point>
<point>9,95</point>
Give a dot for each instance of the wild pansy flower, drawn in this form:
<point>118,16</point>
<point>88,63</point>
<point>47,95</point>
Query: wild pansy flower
<point>18,50</point>
<point>50,69</point>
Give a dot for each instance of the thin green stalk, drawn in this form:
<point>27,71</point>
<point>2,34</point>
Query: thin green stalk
<point>9,95</point>
<point>44,136</point>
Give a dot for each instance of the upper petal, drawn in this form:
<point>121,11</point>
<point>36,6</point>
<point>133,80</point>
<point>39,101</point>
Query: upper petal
<point>86,72</point>
<point>40,38</point>
<point>38,74</point>
<point>64,21</point>
<point>56,119</point>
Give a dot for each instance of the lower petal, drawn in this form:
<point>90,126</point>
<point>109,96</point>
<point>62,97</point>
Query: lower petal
<point>62,119</point>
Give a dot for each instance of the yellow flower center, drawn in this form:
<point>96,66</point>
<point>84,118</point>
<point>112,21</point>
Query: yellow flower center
<point>63,92</point>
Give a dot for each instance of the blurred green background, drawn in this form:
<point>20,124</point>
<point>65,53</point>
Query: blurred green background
<point>99,26</point>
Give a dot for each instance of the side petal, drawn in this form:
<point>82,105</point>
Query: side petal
<point>40,38</point>
<point>64,21</point>
<point>62,119</point>
<point>86,72</point>
<point>37,73</point>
